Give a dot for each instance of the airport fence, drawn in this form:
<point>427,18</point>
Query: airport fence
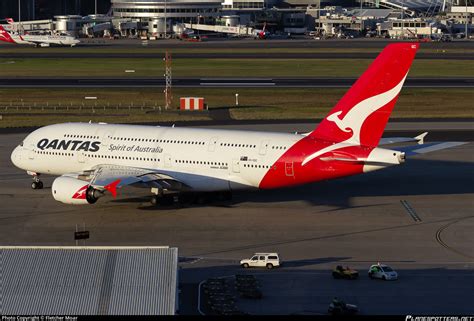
<point>39,107</point>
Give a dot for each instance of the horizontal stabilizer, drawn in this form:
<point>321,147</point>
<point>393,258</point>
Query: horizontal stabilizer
<point>420,139</point>
<point>428,148</point>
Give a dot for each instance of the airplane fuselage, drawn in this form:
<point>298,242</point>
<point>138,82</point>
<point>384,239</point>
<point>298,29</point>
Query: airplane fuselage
<point>204,159</point>
<point>42,40</point>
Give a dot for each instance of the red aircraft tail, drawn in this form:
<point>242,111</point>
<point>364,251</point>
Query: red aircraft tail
<point>5,36</point>
<point>361,115</point>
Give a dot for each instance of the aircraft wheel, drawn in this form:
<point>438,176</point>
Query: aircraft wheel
<point>37,185</point>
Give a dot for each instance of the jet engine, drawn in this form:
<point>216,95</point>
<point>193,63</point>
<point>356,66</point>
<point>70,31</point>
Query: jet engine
<point>70,190</point>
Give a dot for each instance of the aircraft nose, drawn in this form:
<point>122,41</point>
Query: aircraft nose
<point>16,157</point>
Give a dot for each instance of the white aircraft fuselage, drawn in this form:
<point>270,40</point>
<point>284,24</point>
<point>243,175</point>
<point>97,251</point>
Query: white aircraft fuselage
<point>204,159</point>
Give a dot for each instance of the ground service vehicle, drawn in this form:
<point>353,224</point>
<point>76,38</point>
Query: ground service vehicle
<point>341,272</point>
<point>383,272</point>
<point>268,260</point>
<point>339,307</point>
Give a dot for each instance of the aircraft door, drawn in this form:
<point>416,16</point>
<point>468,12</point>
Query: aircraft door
<point>107,138</point>
<point>31,153</point>
<point>168,160</point>
<point>81,157</point>
<point>263,147</point>
<point>213,144</point>
<point>289,171</point>
<point>236,166</point>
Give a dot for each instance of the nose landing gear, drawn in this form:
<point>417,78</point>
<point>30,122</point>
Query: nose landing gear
<point>36,184</point>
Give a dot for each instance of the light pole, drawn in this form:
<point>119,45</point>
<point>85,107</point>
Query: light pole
<point>465,31</point>
<point>19,10</point>
<point>403,18</point>
<point>95,7</point>
<point>166,25</point>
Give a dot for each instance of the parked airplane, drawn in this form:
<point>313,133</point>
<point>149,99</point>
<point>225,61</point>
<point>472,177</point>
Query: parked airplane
<point>263,33</point>
<point>95,159</point>
<point>37,40</point>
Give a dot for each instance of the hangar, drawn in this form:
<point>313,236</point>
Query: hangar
<point>83,280</point>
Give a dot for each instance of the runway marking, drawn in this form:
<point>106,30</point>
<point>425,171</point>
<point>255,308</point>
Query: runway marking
<point>199,297</point>
<point>234,79</point>
<point>410,211</point>
<point>236,84</point>
<point>446,246</point>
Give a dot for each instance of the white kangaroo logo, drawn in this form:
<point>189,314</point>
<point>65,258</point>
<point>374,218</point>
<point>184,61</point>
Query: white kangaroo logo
<point>339,122</point>
<point>356,117</point>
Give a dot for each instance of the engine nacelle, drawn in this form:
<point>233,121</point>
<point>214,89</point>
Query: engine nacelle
<point>70,190</point>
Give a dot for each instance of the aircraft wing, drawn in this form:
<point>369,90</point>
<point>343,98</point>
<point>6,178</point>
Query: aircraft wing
<point>111,177</point>
<point>429,147</point>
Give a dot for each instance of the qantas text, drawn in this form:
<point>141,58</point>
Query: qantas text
<point>73,145</point>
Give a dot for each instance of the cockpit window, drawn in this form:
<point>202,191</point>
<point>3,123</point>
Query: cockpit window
<point>21,144</point>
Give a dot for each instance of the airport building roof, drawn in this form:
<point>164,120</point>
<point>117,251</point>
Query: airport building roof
<point>88,280</point>
<point>372,13</point>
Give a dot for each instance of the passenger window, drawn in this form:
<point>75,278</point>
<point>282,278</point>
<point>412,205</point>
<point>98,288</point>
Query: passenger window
<point>262,258</point>
<point>255,258</point>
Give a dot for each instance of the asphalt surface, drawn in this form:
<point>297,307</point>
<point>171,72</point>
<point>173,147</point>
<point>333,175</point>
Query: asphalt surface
<point>219,55</point>
<point>354,221</point>
<point>246,43</point>
<point>221,82</point>
<point>274,42</point>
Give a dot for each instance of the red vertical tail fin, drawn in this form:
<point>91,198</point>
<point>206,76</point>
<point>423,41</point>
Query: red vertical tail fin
<point>361,115</point>
<point>5,36</point>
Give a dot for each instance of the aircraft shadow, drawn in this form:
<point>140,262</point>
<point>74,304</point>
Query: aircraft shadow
<point>416,177</point>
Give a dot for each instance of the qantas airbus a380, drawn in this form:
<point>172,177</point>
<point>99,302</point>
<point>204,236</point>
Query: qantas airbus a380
<point>95,159</point>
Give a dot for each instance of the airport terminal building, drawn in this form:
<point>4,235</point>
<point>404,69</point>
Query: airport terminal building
<point>177,10</point>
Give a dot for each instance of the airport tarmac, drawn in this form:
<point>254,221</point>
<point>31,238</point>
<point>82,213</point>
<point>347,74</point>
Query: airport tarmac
<point>295,42</point>
<point>287,82</point>
<point>219,55</point>
<point>353,221</point>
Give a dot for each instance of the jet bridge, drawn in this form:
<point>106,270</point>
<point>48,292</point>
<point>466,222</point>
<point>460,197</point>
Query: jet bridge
<point>237,30</point>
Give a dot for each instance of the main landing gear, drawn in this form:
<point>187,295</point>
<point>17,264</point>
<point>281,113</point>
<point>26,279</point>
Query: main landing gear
<point>164,199</point>
<point>179,199</point>
<point>36,184</point>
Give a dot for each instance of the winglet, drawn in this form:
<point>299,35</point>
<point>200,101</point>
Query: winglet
<point>112,187</point>
<point>421,138</point>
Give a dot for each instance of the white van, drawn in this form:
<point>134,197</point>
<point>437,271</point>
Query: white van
<point>268,260</point>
